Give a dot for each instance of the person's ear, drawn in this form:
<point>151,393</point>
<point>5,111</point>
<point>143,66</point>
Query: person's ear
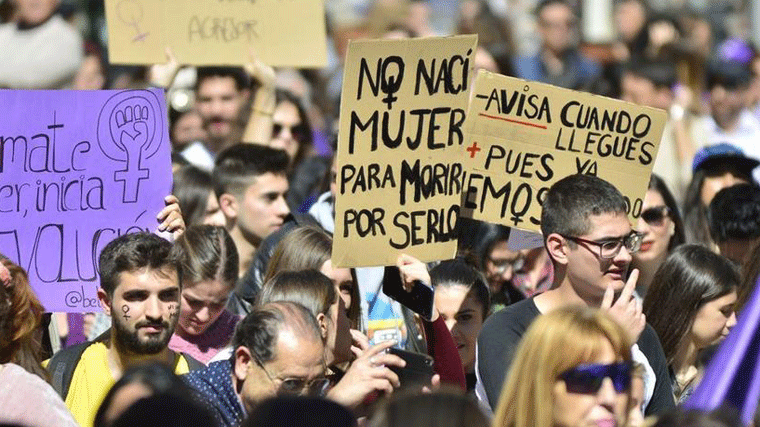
<point>672,228</point>
<point>243,360</point>
<point>105,301</point>
<point>322,320</point>
<point>557,248</point>
<point>245,93</point>
<point>229,205</point>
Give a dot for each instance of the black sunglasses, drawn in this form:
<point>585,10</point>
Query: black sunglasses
<point>300,132</point>
<point>588,378</point>
<point>656,215</point>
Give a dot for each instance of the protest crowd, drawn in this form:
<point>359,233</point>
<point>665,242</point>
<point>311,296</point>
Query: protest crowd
<point>235,309</point>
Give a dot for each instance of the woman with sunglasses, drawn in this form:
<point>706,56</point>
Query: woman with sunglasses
<point>663,231</point>
<point>572,369</point>
<point>691,306</point>
<point>292,132</point>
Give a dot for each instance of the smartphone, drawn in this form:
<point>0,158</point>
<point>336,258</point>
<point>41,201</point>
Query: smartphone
<point>418,371</point>
<point>419,299</point>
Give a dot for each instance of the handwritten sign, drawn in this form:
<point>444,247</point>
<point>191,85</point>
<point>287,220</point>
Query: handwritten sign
<point>523,136</point>
<point>78,169</point>
<point>217,32</point>
<point>399,179</point>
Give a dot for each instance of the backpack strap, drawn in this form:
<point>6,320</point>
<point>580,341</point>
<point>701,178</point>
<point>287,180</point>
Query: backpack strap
<point>192,363</point>
<point>63,364</point>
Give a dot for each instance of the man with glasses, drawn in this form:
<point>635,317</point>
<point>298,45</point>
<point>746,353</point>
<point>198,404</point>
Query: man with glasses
<point>590,241</point>
<point>277,350</point>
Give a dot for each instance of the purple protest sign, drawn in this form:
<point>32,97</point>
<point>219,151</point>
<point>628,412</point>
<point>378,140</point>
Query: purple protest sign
<point>78,169</point>
<point>733,375</point>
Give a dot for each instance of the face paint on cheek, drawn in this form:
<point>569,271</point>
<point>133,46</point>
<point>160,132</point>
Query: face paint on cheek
<point>173,312</point>
<point>125,310</point>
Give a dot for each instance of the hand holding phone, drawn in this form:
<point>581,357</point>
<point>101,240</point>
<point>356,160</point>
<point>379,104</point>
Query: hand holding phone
<point>418,371</point>
<point>419,299</point>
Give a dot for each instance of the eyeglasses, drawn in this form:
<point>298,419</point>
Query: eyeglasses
<point>300,132</point>
<point>655,216</point>
<point>588,378</point>
<point>610,248</point>
<point>296,386</point>
<point>501,265</point>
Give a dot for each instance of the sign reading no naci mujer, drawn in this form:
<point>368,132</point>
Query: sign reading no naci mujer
<point>78,169</point>
<point>399,177</point>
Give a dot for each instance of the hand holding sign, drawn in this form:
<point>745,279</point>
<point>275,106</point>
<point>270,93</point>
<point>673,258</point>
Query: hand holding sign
<point>162,75</point>
<point>170,217</point>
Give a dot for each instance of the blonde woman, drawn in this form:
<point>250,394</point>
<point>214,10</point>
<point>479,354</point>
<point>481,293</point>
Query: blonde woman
<point>572,369</point>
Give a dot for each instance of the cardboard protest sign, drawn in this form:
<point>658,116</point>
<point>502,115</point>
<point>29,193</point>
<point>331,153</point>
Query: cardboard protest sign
<point>78,169</point>
<point>399,179</point>
<point>217,32</point>
<point>523,136</point>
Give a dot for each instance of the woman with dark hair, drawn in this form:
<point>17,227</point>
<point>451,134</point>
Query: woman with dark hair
<point>463,300</point>
<point>715,167</point>
<point>512,275</point>
<point>25,396</point>
<point>499,264</point>
<point>661,224</point>
<point>208,263</point>
<point>691,306</point>
<point>197,200</point>
<point>291,132</point>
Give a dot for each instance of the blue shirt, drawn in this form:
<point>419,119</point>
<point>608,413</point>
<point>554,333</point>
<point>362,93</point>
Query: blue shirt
<point>579,72</point>
<point>214,383</point>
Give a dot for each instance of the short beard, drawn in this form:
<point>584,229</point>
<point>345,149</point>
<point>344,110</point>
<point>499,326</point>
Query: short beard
<point>129,342</point>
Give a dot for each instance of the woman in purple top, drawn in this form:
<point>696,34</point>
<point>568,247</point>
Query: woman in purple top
<point>209,268</point>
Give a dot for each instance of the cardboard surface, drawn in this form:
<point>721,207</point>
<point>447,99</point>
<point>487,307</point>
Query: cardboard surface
<point>523,136</point>
<point>217,32</point>
<point>78,169</point>
<point>399,179</point>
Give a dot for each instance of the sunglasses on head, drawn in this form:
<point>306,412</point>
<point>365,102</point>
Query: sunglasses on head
<point>588,378</point>
<point>300,132</point>
<point>655,216</point>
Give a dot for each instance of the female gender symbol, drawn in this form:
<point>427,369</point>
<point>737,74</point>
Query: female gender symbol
<point>135,14</point>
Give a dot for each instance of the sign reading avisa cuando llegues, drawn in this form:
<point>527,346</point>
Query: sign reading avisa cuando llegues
<point>523,136</point>
<point>78,169</point>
